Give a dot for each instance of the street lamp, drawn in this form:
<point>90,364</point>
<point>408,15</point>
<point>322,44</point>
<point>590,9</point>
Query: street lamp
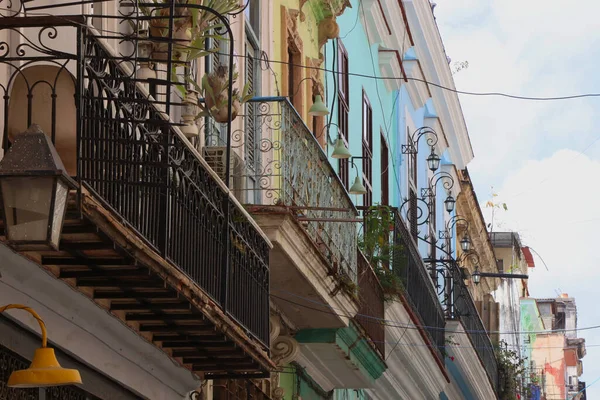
<point>465,243</point>
<point>35,190</point>
<point>449,203</point>
<point>433,160</point>
<point>476,276</point>
<point>44,370</point>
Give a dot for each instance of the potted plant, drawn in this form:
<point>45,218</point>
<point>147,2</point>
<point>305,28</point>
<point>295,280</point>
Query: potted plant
<point>191,27</point>
<point>383,253</point>
<point>214,89</point>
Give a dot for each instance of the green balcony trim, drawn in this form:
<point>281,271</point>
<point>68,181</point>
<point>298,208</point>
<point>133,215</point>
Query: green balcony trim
<point>352,343</point>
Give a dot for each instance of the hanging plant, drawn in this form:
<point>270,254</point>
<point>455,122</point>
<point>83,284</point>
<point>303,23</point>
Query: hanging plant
<point>192,27</point>
<point>215,90</point>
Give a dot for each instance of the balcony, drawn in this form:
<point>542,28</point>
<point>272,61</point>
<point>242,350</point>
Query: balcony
<point>465,312</point>
<point>418,290</point>
<point>371,314</point>
<point>297,199</point>
<point>151,233</point>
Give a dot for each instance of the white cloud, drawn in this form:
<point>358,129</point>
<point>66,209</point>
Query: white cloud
<point>529,150</point>
<point>553,204</point>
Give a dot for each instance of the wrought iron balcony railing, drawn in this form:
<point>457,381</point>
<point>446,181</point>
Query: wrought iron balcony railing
<point>149,174</point>
<point>286,166</point>
<point>371,313</point>
<point>418,288</point>
<point>464,309</point>
<point>132,158</point>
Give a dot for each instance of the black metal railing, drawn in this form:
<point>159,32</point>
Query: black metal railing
<point>418,288</point>
<point>240,389</point>
<point>465,311</point>
<point>135,161</point>
<point>371,313</point>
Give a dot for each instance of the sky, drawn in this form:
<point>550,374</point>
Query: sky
<point>542,158</point>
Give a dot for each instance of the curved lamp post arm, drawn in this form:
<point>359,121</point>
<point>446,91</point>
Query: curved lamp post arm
<point>447,183</point>
<point>412,147</point>
<point>35,315</point>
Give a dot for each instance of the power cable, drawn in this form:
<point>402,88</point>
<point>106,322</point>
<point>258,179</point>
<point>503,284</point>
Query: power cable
<point>397,324</point>
<point>464,92</point>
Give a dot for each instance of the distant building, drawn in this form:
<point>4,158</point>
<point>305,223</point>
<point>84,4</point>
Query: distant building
<point>555,357</point>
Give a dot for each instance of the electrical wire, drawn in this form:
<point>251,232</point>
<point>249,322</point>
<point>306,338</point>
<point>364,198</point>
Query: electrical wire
<point>374,77</point>
<point>397,324</point>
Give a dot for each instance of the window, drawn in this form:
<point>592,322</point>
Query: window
<point>367,150</point>
<point>252,13</point>
<point>343,108</point>
<point>252,77</point>
<point>385,172</point>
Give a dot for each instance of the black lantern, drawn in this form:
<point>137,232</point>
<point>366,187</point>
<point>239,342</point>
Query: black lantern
<point>35,190</point>
<point>476,275</point>
<point>433,161</point>
<point>465,243</point>
<point>449,203</point>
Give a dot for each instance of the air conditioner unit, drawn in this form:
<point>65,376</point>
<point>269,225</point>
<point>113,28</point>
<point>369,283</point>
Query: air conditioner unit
<point>215,157</point>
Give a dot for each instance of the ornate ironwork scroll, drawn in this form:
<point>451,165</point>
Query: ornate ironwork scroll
<point>296,172</point>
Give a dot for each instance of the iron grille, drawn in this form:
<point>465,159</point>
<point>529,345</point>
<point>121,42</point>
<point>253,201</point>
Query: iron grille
<point>466,311</point>
<point>149,175</point>
<point>408,265</point>
<point>372,304</point>
<point>294,171</point>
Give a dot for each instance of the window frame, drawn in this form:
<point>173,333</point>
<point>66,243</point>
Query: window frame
<point>367,149</point>
<point>343,101</point>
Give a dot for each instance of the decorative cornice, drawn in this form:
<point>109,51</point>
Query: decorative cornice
<point>390,65</point>
<point>430,49</point>
<point>377,26</point>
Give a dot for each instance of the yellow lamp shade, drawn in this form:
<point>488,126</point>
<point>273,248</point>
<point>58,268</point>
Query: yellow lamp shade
<point>44,371</point>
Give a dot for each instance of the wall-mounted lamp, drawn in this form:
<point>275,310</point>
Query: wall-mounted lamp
<point>340,151</point>
<point>449,203</point>
<point>35,190</point>
<point>465,243</point>
<point>318,108</point>
<point>44,370</point>
<point>433,160</point>
<point>357,187</point>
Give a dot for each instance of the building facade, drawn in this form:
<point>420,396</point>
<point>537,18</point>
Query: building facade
<point>223,244</point>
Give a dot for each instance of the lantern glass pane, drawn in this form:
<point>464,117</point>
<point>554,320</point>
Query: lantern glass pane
<point>27,202</point>
<point>60,204</point>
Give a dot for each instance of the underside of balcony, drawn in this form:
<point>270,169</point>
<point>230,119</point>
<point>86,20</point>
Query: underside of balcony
<point>110,263</point>
<point>303,285</point>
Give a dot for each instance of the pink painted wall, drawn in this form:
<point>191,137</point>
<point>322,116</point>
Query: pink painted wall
<point>548,354</point>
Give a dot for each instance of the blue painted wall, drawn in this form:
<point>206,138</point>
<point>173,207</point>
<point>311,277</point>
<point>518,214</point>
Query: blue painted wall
<point>363,60</point>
